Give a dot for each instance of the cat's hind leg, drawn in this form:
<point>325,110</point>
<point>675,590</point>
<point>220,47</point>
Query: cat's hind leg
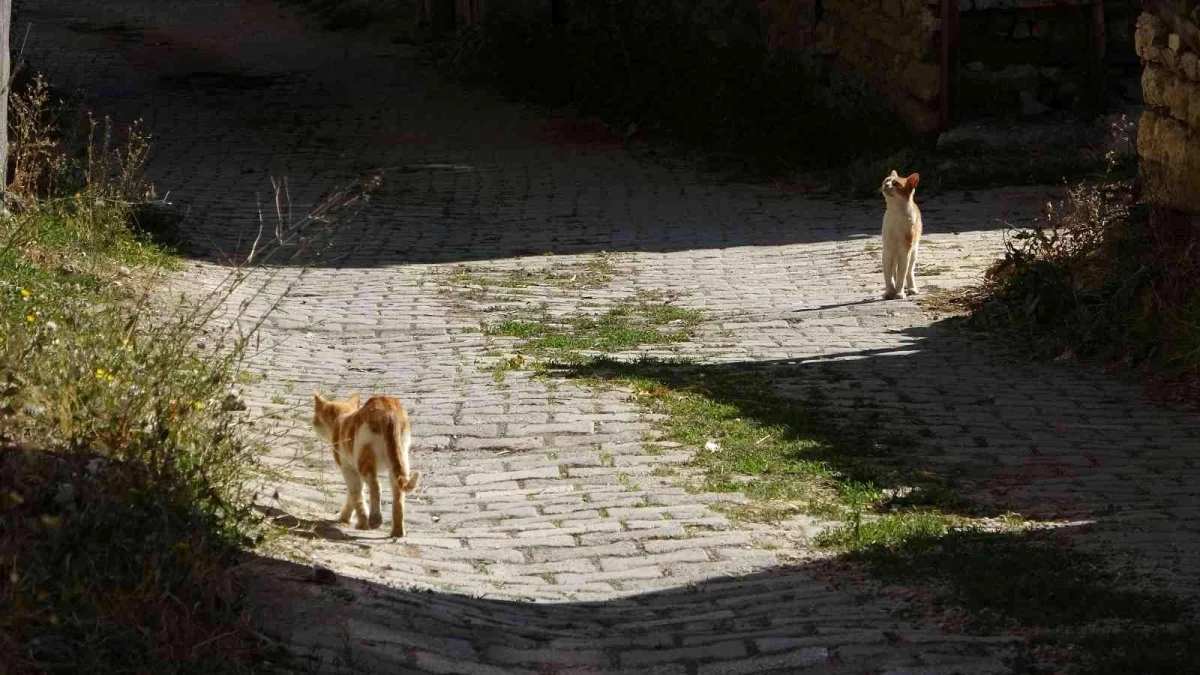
<point>910,281</point>
<point>890,278</point>
<point>353,493</point>
<point>367,468</point>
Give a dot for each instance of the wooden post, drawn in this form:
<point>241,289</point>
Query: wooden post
<point>558,15</point>
<point>5,84</point>
<point>1099,46</point>
<point>947,30</point>
<point>440,14</point>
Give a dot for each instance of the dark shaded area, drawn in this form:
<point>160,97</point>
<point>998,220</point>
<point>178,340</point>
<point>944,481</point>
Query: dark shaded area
<point>655,67</point>
<point>432,214</point>
<point>302,527</point>
<point>110,565</point>
<point>858,444</point>
<point>464,177</point>
<point>218,80</point>
<point>1060,445</point>
<point>1031,579</point>
<point>798,616</point>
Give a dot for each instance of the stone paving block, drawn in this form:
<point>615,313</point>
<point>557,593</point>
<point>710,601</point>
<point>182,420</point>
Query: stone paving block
<point>717,650</point>
<point>680,556</point>
<point>614,575</point>
<point>618,549</point>
<point>664,529</point>
<point>721,539</point>
<point>804,658</point>
<point>483,478</point>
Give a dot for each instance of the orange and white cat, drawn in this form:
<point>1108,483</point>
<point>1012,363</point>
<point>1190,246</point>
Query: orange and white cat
<point>901,235</point>
<point>364,437</point>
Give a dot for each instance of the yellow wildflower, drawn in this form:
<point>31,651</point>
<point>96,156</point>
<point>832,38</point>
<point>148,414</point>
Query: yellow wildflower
<point>30,318</point>
<point>25,292</point>
<point>100,373</point>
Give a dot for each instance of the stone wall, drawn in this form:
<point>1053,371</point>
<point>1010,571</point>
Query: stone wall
<point>1169,132</point>
<point>891,45</point>
<point>1027,56</point>
<point>1030,56</point>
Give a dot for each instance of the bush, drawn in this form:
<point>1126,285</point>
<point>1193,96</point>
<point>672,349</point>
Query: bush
<point>124,466</point>
<point>1106,278</point>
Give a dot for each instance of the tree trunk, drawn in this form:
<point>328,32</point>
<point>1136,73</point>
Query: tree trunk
<point>5,85</point>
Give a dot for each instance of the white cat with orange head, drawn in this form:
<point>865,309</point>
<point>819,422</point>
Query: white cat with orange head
<point>901,235</point>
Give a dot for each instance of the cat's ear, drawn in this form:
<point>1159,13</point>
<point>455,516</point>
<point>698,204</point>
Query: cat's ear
<point>910,183</point>
<point>893,174</point>
<point>317,396</point>
<point>353,400</point>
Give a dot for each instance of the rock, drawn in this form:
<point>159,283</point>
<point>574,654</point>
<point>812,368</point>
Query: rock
<point>1163,89</point>
<point>232,403</point>
<point>65,495</point>
<point>1170,162</point>
<point>323,575</point>
<point>1170,58</point>
<point>1189,63</point>
<point>921,78</point>
<point>1030,106</point>
<point>1154,85</point>
<point>1173,42</point>
<point>1151,32</point>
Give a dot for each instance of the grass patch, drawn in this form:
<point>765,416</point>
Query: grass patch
<point>786,456</point>
<point>888,531</point>
<point>597,271</point>
<point>646,319</point>
<point>124,503</point>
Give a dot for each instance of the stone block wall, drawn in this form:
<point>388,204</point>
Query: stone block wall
<point>1027,56</point>
<point>1033,56</point>
<point>890,45</point>
<point>1169,131</point>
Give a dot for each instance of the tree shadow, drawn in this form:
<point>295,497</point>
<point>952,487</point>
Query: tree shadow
<point>303,528</point>
<point>975,603</point>
<point>465,176</point>
<point>943,412</point>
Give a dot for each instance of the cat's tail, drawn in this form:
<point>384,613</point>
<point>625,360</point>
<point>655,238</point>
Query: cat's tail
<point>400,439</point>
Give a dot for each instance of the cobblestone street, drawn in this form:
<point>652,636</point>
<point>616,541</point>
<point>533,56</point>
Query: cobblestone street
<point>544,537</point>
